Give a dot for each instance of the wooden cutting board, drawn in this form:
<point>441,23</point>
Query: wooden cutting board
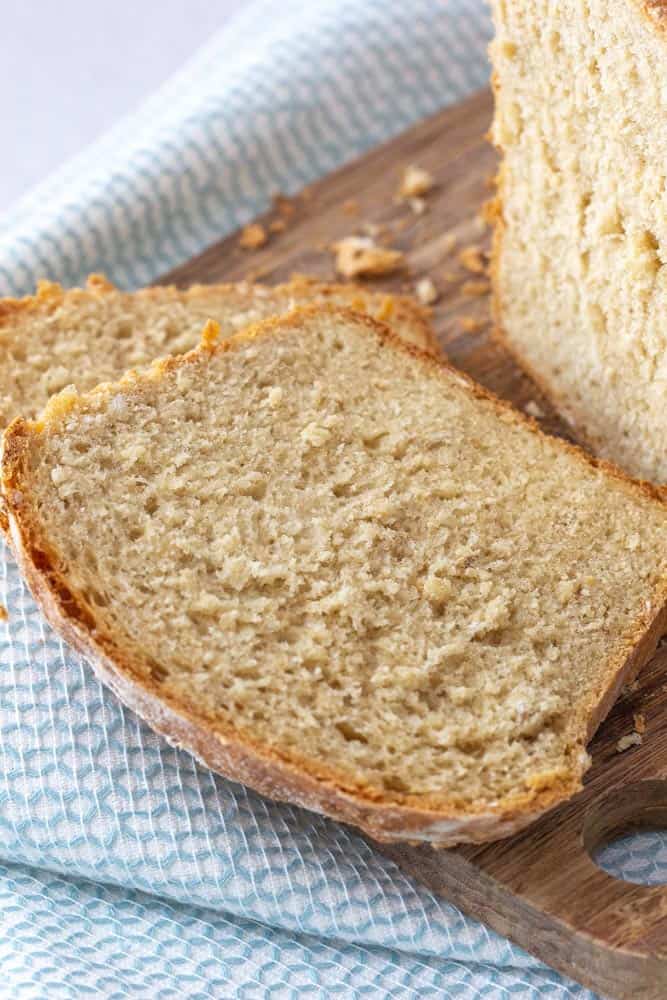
<point>539,888</point>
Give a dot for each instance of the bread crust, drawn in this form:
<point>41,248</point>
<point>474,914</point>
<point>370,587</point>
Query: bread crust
<point>655,10</point>
<point>228,750</point>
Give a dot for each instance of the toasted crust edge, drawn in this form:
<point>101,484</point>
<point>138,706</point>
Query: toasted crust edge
<point>233,754</point>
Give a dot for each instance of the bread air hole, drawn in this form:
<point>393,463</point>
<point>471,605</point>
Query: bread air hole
<point>349,733</point>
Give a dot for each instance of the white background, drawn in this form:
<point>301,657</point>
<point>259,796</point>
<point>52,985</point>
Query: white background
<point>70,68</point>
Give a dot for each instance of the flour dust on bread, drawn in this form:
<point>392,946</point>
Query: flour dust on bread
<point>340,572</point>
<point>580,275</point>
<point>92,335</point>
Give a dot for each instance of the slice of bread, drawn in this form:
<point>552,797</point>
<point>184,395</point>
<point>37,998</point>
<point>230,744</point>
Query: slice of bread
<point>92,335</point>
<point>580,259</point>
<point>342,573</point>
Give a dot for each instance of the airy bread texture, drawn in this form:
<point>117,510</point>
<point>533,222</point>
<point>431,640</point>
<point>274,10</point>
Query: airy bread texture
<point>580,254</point>
<point>87,336</point>
<point>342,573</point>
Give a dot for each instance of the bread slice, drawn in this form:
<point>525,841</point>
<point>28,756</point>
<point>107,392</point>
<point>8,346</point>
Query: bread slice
<point>580,259</point>
<point>342,573</point>
<point>92,335</point>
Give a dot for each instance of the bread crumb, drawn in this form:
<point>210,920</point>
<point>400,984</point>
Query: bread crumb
<point>472,259</point>
<point>426,292</point>
<point>640,722</point>
<point>372,229</point>
<point>631,740</point>
<point>448,276</point>
<point>475,289</point>
<point>253,236</point>
<point>534,409</point>
<point>471,325</point>
<point>358,256</point>
<point>418,205</point>
<point>351,206</point>
<point>277,226</point>
<point>415,182</point>
<point>4,614</point>
<point>448,243</point>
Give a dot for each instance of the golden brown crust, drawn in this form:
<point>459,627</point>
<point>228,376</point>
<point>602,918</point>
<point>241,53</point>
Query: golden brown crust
<point>234,753</point>
<point>655,10</point>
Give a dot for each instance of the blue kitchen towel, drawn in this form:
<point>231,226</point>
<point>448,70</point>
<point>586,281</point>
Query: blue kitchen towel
<point>126,869</point>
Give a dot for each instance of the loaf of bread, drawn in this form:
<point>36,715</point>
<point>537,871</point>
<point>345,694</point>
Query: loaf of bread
<point>579,266</point>
<point>86,336</point>
<point>339,571</point>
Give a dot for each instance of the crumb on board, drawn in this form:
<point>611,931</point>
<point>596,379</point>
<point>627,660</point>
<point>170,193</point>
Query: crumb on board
<point>426,291</point>
<point>277,226</point>
<point>448,243</point>
<point>630,740</point>
<point>480,224</point>
<point>470,324</point>
<point>359,257</point>
<point>448,276</point>
<point>351,206</point>
<point>253,236</point>
<point>418,205</point>
<point>415,182</point>
<point>474,289</point>
<point>534,409</point>
<point>372,229</point>
<point>4,614</point>
<point>640,722</point>
<point>472,259</point>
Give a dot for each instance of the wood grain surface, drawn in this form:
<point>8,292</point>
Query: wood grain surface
<point>539,888</point>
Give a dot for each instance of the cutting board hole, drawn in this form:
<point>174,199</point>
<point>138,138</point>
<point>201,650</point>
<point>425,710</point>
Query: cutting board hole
<point>625,832</point>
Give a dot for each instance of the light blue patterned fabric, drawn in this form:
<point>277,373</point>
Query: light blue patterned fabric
<point>127,869</point>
